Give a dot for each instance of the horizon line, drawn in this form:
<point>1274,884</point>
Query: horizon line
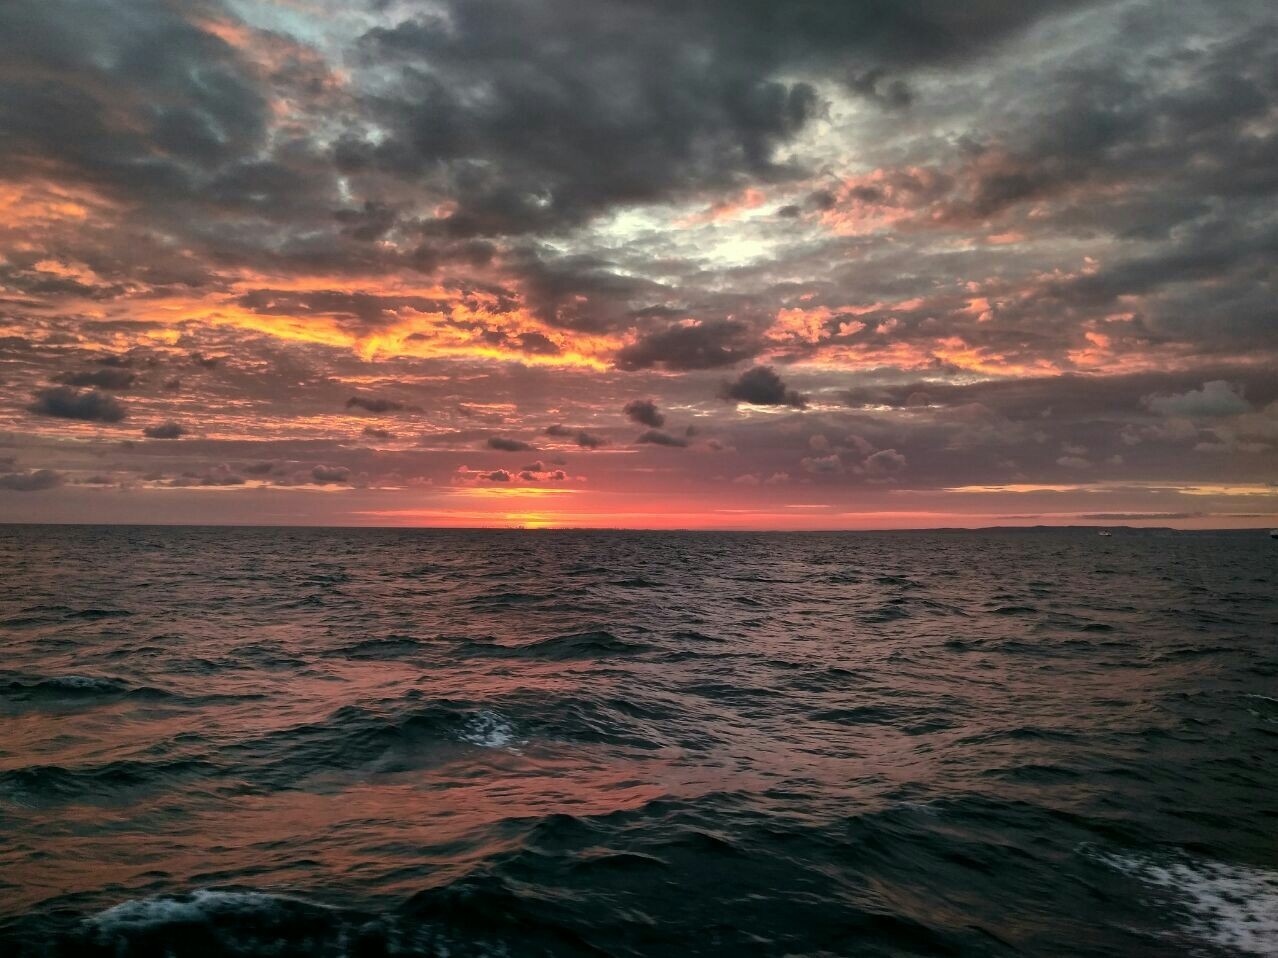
<point>654,529</point>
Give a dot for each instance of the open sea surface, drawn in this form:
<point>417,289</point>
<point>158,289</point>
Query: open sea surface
<point>459,743</point>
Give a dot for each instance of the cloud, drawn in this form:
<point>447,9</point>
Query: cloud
<point>1215,399</point>
<point>67,402</point>
<point>981,226</point>
<point>108,378</point>
<point>219,476</point>
<point>830,465</point>
<point>657,437</point>
<point>544,149</point>
<point>375,405</point>
<point>885,462</point>
<point>326,475</point>
<point>537,344</point>
<point>889,95</point>
<point>645,412</point>
<point>761,386</point>
<point>164,430</point>
<point>1074,462</point>
<point>30,481</point>
<point>497,475</point>
<point>540,472</point>
<point>503,444</point>
<point>682,347</point>
<point>584,439</point>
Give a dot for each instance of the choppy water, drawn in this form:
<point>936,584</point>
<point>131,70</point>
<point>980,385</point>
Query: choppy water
<point>367,742</point>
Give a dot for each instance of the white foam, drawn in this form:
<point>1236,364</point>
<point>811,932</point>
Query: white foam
<point>196,907</point>
<point>80,683</point>
<point>1233,906</point>
<point>489,730</point>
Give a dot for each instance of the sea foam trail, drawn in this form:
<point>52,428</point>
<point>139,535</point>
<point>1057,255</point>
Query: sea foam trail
<point>1233,906</point>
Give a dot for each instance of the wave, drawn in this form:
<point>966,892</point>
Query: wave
<point>216,923</point>
<point>1232,906</point>
<point>391,647</point>
<point>43,785</point>
<point>558,648</point>
<point>488,730</point>
<point>76,689</point>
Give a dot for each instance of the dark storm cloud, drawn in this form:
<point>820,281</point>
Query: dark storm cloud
<point>30,481</point>
<point>139,54</point>
<point>165,430</point>
<point>761,386</point>
<point>581,437</point>
<point>109,378</point>
<point>703,89</point>
<point>657,437</point>
<point>152,105</point>
<point>503,444</point>
<point>645,412</point>
<point>873,85</point>
<point>682,347</point>
<point>67,402</point>
<point>543,147</point>
<point>497,475</point>
<point>372,432</point>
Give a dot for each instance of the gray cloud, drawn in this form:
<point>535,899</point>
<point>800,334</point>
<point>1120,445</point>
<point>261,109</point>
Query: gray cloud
<point>702,345</point>
<point>761,386</point>
<point>31,480</point>
<point>375,405</point>
<point>581,437</point>
<point>657,437</point>
<point>1216,398</point>
<point>108,378</point>
<point>164,430</point>
<point>66,402</point>
<point>885,462</point>
<point>326,475</point>
<point>504,444</point>
<point>645,412</point>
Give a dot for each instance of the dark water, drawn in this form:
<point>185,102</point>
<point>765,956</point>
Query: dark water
<point>317,742</point>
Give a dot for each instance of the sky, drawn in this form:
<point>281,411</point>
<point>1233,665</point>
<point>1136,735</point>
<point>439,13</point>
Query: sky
<point>639,263</point>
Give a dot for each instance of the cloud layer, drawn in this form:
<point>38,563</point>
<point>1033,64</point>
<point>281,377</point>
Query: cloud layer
<point>906,260</point>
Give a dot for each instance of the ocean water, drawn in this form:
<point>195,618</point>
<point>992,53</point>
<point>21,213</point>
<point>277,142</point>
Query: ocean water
<point>373,742</point>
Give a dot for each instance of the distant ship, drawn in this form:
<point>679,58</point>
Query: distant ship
<point>1104,532</point>
<point>1273,533</point>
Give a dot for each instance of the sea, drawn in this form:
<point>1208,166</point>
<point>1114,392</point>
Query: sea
<point>371,742</point>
